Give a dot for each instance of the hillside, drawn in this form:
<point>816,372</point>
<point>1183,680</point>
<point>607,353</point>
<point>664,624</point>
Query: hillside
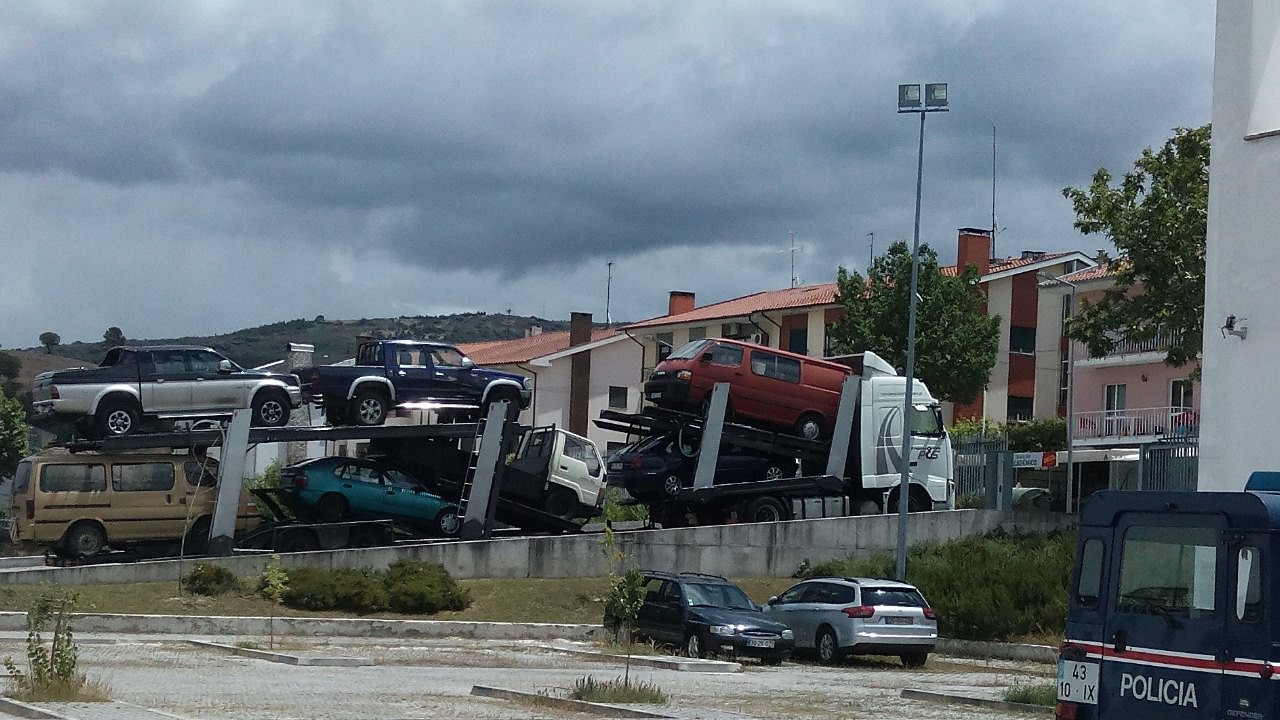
<point>334,339</point>
<point>35,362</point>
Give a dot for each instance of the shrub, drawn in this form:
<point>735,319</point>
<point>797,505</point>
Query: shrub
<point>615,511</point>
<point>309,589</point>
<point>991,587</point>
<point>407,586</point>
<point>361,590</point>
<point>210,580</point>
<point>415,587</point>
<point>1045,694</point>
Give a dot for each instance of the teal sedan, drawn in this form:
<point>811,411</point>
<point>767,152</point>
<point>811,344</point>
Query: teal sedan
<point>343,488</point>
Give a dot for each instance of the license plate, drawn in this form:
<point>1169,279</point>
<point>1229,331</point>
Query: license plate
<point>897,621</point>
<point>653,395</point>
<point>615,466</point>
<point>760,643</point>
<point>1078,682</point>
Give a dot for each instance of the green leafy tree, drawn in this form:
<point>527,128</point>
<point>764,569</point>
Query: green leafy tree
<point>49,339</point>
<point>113,336</point>
<point>275,583</point>
<point>13,435</point>
<point>10,366</point>
<point>956,341</point>
<point>1156,217</point>
<point>626,596</point>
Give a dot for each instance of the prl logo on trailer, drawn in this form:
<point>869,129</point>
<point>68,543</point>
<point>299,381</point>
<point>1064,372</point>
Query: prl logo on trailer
<point>1171,612</point>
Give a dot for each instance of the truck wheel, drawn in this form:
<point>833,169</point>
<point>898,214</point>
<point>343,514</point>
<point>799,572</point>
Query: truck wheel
<point>914,503</point>
<point>370,407</point>
<point>809,426</point>
<point>84,539</point>
<point>448,523</point>
<point>116,418</point>
<point>766,509</point>
<point>333,508</point>
<point>270,409</point>
<point>561,502</point>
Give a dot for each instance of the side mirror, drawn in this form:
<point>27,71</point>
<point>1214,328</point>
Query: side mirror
<point>772,599</point>
<point>225,367</point>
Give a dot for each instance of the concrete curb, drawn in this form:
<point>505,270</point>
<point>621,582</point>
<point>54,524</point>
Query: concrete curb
<point>600,709</point>
<point>287,658</point>
<point>665,662</point>
<point>12,707</point>
<point>983,650</point>
<point>90,623</point>
<point>946,699</point>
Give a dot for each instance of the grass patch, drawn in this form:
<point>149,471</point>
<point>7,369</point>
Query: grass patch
<point>1045,694</point>
<point>75,689</point>
<point>589,689</point>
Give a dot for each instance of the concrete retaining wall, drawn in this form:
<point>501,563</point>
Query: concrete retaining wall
<point>744,550</point>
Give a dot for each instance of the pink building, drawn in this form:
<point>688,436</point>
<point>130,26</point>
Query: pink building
<point>1129,397</point>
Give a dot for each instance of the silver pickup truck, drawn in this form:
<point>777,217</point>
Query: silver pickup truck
<point>166,382</point>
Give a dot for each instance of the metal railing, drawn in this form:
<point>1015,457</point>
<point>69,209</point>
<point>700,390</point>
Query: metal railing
<point>1164,465</point>
<point>1156,343</point>
<point>1138,422</point>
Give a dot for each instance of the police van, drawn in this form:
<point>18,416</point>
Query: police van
<point>1169,614</point>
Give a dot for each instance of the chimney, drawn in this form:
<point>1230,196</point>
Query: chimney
<point>679,302</point>
<point>579,373</point>
<point>973,247</point>
<point>1033,254</point>
<point>534,329</point>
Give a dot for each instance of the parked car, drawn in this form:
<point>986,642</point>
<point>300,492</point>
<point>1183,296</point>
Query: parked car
<point>858,616</point>
<point>706,614</point>
<point>660,466</point>
<point>343,488</point>
<point>775,388</point>
<point>388,373</point>
<point>80,504</point>
<point>164,381</point>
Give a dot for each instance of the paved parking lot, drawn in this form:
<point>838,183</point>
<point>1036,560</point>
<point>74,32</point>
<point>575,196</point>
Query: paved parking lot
<point>433,679</point>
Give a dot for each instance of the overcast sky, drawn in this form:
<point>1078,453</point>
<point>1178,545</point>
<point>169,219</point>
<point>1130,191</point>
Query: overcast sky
<point>198,167</point>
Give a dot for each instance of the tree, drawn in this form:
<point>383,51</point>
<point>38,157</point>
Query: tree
<point>49,339</point>
<point>1156,217</point>
<point>10,366</point>
<point>13,434</point>
<point>956,341</point>
<point>113,336</point>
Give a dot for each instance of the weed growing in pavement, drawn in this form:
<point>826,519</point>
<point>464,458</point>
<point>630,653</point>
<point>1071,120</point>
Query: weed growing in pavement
<point>617,690</point>
<point>1040,694</point>
<point>51,674</point>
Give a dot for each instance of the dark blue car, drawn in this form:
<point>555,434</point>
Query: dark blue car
<point>343,488</point>
<point>659,467</point>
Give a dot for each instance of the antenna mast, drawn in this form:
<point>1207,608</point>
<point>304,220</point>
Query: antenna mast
<point>993,190</point>
<point>608,294</point>
<point>871,251</point>
<point>795,281</point>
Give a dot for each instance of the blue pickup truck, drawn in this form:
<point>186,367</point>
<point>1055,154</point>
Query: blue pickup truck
<point>390,373</point>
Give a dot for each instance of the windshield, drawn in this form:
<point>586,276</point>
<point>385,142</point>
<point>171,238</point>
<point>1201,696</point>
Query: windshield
<point>689,350</point>
<point>22,479</point>
<point>926,420</point>
<point>721,595</point>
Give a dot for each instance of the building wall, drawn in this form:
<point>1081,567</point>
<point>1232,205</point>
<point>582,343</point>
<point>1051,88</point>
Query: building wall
<point>1146,384</point>
<point>1048,351</point>
<point>995,400</point>
<point>1240,380</point>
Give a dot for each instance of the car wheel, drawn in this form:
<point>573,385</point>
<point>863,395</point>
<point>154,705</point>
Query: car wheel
<point>270,409</point>
<point>809,426</point>
<point>772,660</point>
<point>333,508</point>
<point>297,541</point>
<point>828,647</point>
<point>116,418</point>
<point>364,537</point>
<point>914,660</point>
<point>766,509</point>
<point>84,539</point>
<point>672,485</point>
<point>197,539</point>
<point>370,407</point>
<point>693,646</point>
<point>448,523</point>
<point>561,502</point>
<point>774,471</point>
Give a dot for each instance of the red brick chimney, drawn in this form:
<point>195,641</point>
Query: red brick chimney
<point>973,247</point>
<point>579,373</point>
<point>679,302</point>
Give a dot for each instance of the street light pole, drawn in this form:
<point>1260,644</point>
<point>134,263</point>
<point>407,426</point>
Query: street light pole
<point>909,101</point>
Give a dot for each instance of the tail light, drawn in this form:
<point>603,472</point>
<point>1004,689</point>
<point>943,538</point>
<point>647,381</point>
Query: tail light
<point>31,509</point>
<point>930,613</point>
<point>860,611</point>
<point>53,392</point>
<point>1065,711</point>
<point>637,462</point>
<point>295,480</point>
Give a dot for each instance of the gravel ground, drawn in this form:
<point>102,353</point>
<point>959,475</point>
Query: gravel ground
<point>433,679</point>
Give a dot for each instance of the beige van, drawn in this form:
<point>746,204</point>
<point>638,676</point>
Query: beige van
<point>83,503</point>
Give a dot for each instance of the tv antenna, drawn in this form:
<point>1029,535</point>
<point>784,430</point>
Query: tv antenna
<point>871,250</point>
<point>795,281</point>
<point>608,294</point>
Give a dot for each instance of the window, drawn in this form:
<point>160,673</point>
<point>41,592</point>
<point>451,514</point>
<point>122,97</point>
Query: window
<point>203,362</point>
<point>205,475</point>
<point>1168,571</point>
<point>612,447</point>
<point>370,354</point>
<point>618,396</point>
<point>1090,584</point>
<point>1064,371</point>
<point>927,420</point>
<point>73,478</point>
<point>450,357</point>
<point>1019,408</point>
<point>1249,585</point>
<point>798,340</point>
<point>830,594</point>
<point>730,355</point>
<point>1180,394</point>
<point>22,480</point>
<point>1022,340</point>
<point>893,597</point>
<point>578,450</point>
<point>687,351</point>
<point>168,362</point>
<point>357,473</point>
<point>665,342</point>
<point>652,588</point>
<point>1114,399</point>
<point>142,477</point>
<point>775,366</point>
<point>829,341</point>
<point>411,357</point>
<point>792,596</point>
<point>697,333</point>
<point>401,479</point>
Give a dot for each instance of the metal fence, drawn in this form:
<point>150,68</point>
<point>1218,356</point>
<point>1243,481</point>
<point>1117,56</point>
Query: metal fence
<point>977,464</point>
<point>1169,465</point>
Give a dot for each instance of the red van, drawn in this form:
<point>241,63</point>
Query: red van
<point>770,387</point>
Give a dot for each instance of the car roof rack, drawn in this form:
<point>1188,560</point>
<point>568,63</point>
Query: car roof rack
<point>703,575</point>
<point>853,580</point>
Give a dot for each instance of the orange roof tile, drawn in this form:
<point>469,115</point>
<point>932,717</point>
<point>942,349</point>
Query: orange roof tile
<point>506,352</point>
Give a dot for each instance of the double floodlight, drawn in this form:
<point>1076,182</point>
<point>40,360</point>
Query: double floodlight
<point>934,99</point>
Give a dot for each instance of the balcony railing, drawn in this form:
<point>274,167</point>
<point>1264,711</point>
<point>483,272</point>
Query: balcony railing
<point>1138,422</point>
<point>1157,343</point>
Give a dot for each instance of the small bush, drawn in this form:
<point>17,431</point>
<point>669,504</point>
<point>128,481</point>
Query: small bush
<point>51,674</point>
<point>310,589</point>
<point>616,691</point>
<point>210,580</point>
<point>359,590</point>
<point>407,586</point>
<point>615,511</point>
<point>1043,694</point>
<point>415,587</point>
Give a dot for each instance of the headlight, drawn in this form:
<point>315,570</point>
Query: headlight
<point>788,635</point>
<point>684,376</point>
<point>528,383</point>
<point>721,629</point>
